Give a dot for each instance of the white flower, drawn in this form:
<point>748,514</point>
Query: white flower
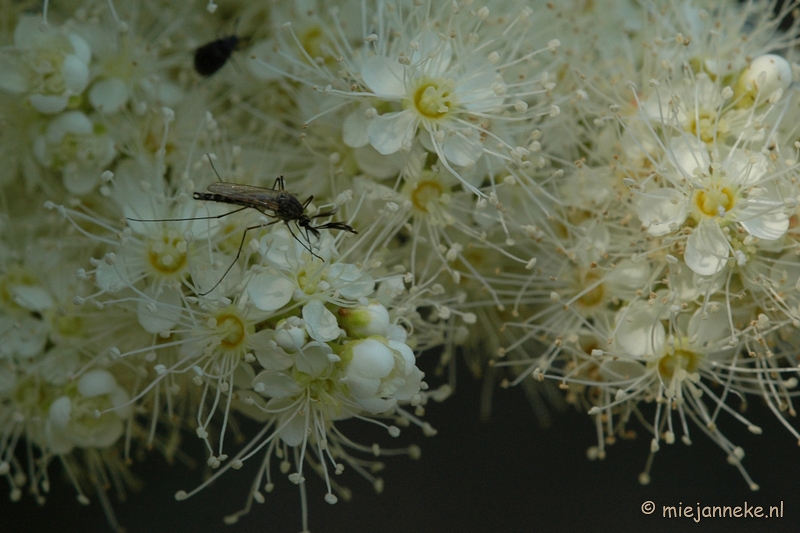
<point>72,417</point>
<point>293,274</point>
<point>321,324</point>
<point>434,98</point>
<point>273,347</point>
<point>109,95</point>
<point>698,107</point>
<point>447,79</point>
<point>639,332</point>
<point>24,336</point>
<point>380,372</point>
<point>764,76</point>
<point>156,250</point>
<point>741,189</point>
<point>364,321</point>
<point>662,210</point>
<point>130,69</point>
<point>49,65</point>
<point>707,249</point>
<point>78,148</point>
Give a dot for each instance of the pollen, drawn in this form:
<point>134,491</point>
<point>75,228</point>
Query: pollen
<point>167,255</point>
<point>434,99</point>
<point>231,330</point>
<point>707,126</point>
<point>595,295</point>
<point>685,359</point>
<point>710,201</point>
<point>425,194</point>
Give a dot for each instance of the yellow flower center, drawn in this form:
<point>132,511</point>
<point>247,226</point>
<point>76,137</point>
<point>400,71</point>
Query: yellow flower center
<point>707,126</point>
<point>595,295</point>
<point>434,98</point>
<point>425,194</point>
<point>232,330</point>
<point>712,201</point>
<point>684,359</point>
<point>168,254</point>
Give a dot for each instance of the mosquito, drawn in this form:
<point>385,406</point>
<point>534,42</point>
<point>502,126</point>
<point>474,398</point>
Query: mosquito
<point>275,203</point>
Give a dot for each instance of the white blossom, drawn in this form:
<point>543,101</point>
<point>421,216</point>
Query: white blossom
<point>48,65</point>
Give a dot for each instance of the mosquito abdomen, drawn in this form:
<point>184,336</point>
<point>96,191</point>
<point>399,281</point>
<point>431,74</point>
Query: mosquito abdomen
<point>212,197</point>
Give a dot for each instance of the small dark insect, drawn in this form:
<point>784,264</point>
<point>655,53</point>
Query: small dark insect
<point>275,203</point>
<point>211,57</point>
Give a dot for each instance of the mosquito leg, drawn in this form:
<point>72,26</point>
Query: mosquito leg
<point>306,246</point>
<point>238,253</point>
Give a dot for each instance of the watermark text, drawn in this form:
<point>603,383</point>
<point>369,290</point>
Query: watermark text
<point>697,511</point>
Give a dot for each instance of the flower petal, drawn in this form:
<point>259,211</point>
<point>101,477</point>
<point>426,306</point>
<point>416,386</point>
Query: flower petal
<point>371,361</point>
<point>384,77</point>
<point>477,91</point>
<point>689,155</point>
<point>109,95</point>
<point>75,73</point>
<point>380,166</point>
<point>60,411</point>
<point>745,169</point>
<point>320,323</point>
<point>275,385</point>
<point>707,249</point>
<point>764,218</point>
<point>294,431</point>
<point>162,312</point>
<point>461,150</point>
<point>354,129</point>
<point>621,370</point>
<point>31,297</point>
<point>662,208</point>
<point>390,132</point>
<point>96,383</point>
<point>49,104</point>
<point>639,331</point>
<point>314,359</point>
<point>270,292</point>
<point>350,281</point>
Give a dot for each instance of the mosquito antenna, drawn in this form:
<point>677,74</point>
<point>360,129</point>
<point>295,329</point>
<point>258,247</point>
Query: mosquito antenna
<point>189,218</point>
<point>192,218</point>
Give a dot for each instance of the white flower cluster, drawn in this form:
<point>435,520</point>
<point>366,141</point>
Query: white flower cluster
<point>667,264</point>
<point>602,195</point>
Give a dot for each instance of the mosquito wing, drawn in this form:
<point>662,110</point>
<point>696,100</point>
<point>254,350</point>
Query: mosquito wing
<point>246,195</point>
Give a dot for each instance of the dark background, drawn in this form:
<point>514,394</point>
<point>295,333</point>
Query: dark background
<point>507,474</point>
